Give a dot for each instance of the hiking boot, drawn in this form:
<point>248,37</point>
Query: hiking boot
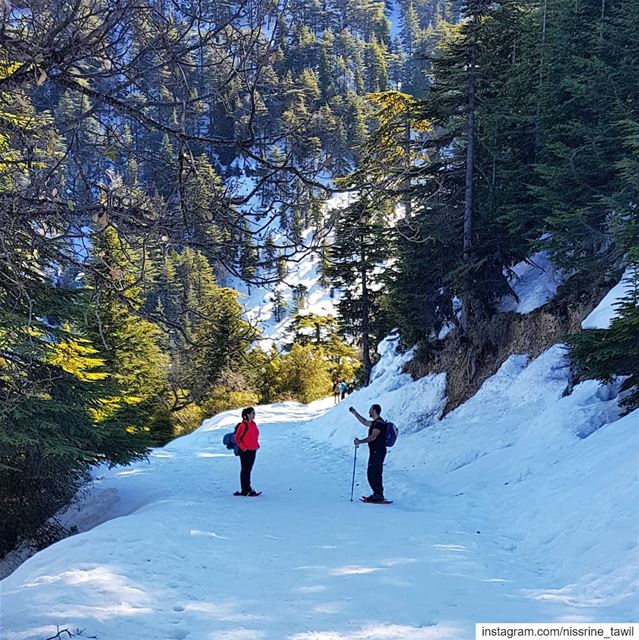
<point>376,498</point>
<point>252,494</point>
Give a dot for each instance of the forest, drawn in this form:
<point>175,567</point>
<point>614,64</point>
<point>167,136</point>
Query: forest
<point>154,152</point>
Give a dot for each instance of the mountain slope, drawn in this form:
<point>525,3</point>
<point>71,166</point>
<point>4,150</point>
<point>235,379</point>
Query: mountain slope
<point>519,505</point>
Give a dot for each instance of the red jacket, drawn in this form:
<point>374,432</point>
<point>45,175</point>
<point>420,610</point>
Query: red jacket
<point>246,436</point>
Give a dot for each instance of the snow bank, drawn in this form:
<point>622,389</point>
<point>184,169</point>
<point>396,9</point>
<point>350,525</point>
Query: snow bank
<point>602,316</point>
<point>554,476</point>
<point>520,505</point>
<point>535,281</point>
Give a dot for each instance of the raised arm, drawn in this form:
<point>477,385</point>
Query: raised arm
<point>364,421</point>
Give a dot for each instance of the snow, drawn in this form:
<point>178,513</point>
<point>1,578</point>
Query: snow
<point>258,302</point>
<point>395,17</point>
<point>602,316</point>
<point>535,281</point>
<point>520,505</point>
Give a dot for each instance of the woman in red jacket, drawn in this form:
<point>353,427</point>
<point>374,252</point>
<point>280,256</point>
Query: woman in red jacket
<point>246,438</point>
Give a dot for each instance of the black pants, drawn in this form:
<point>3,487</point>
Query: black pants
<point>247,458</point>
<point>375,470</point>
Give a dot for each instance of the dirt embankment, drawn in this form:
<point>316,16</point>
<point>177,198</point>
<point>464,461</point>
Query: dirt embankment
<point>470,359</point>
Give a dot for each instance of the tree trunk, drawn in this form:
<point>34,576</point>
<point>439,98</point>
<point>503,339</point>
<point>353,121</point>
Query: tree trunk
<point>541,80</point>
<point>408,208</point>
<point>366,353</point>
<point>468,296</point>
<point>470,144</point>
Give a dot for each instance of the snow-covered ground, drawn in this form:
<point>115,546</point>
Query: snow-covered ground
<point>535,281</point>
<point>259,302</point>
<point>521,505</point>
<point>606,311</point>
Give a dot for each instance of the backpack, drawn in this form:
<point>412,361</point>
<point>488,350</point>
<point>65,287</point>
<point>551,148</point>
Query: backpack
<point>391,434</point>
<point>229,439</point>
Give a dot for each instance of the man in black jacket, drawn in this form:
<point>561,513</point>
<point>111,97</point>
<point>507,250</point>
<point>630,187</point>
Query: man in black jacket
<point>377,449</point>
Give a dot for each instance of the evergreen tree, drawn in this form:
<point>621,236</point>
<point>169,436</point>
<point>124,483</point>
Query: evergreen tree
<point>605,354</point>
<point>279,305</point>
<point>53,384</point>
<point>208,218</point>
<point>578,147</point>
<point>357,254</point>
<point>377,67</point>
<point>299,297</point>
<point>204,325</point>
<point>311,328</point>
<point>282,267</point>
<point>459,212</point>
<point>303,374</point>
<point>324,264</point>
<point>249,256</point>
<point>327,66</point>
<point>221,340</point>
<point>410,28</point>
<point>128,344</point>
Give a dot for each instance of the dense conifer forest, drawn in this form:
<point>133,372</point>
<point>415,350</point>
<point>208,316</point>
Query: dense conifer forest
<point>155,152</point>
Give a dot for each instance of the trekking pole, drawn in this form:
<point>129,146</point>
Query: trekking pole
<point>353,482</point>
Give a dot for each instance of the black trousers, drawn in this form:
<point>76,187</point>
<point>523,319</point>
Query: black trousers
<point>375,470</point>
<point>247,458</point>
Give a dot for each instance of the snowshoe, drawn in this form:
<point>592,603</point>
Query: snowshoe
<point>369,500</point>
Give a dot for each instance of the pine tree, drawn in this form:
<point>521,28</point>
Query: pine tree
<point>303,374</point>
<point>279,305</point>
<point>357,254</point>
<point>311,328</point>
<point>203,320</point>
<point>456,199</point>
<point>605,354</point>
<point>207,217</point>
<point>282,267</point>
<point>576,167</point>
<point>377,67</point>
<point>128,343</point>
<point>85,136</point>
<point>410,28</point>
<point>221,339</point>
<point>249,256</point>
<point>52,432</point>
<point>341,359</point>
<point>299,297</point>
<point>52,381</point>
<point>324,264</point>
<point>326,71</point>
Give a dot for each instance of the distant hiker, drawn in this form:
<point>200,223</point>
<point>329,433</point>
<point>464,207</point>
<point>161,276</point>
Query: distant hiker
<point>377,450</point>
<point>246,438</point>
<point>342,389</point>
<point>337,392</point>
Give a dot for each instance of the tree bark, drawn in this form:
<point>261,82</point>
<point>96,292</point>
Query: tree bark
<point>541,79</point>
<point>408,208</point>
<point>470,144</point>
<point>366,353</point>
